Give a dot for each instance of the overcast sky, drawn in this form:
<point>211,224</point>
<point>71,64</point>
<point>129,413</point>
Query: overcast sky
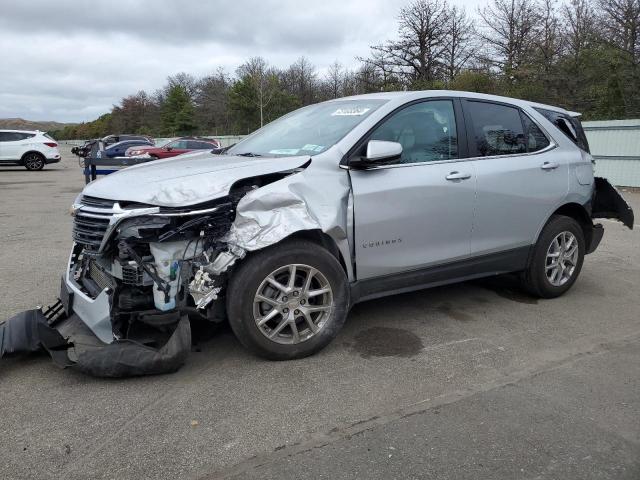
<point>73,62</point>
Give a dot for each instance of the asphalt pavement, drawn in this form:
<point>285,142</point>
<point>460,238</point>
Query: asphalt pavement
<point>476,380</point>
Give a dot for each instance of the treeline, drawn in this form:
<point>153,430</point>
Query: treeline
<point>583,55</point>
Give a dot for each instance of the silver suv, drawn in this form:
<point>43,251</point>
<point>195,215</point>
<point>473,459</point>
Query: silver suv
<point>333,204</point>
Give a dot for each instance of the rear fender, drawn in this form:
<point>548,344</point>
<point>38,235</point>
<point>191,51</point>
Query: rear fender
<point>608,203</point>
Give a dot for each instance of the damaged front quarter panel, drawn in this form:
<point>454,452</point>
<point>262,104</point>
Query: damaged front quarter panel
<point>316,199</point>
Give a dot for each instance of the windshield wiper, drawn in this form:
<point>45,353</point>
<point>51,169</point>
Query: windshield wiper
<point>248,154</point>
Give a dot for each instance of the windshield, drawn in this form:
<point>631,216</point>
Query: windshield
<point>308,131</point>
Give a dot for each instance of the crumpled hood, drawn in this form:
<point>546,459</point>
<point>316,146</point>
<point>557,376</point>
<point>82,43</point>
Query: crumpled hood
<point>180,181</point>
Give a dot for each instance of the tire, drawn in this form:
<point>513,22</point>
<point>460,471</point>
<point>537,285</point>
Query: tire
<point>33,161</point>
<point>546,278</point>
<point>291,312</point>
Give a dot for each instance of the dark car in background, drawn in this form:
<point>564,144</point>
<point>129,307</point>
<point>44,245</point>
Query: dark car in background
<point>119,149</point>
<point>176,147</point>
<point>121,137</point>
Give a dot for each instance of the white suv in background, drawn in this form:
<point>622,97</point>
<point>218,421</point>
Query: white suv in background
<point>32,149</point>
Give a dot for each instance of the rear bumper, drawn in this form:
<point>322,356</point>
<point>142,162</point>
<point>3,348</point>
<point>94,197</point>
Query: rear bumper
<point>54,159</point>
<point>608,203</point>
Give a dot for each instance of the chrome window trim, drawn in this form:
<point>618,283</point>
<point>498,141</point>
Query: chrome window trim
<point>552,142</point>
<point>548,148</point>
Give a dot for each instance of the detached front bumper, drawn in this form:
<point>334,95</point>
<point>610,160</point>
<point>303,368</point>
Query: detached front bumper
<point>94,312</point>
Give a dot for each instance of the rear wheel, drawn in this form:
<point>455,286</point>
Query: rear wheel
<point>557,258</point>
<point>288,301</point>
<point>33,161</point>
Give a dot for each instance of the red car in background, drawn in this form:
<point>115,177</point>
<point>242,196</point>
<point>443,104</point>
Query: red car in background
<point>175,147</point>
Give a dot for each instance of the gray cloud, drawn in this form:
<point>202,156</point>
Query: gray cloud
<point>73,61</point>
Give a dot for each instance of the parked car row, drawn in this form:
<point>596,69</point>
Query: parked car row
<point>174,148</point>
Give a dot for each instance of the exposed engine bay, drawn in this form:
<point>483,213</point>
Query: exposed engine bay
<point>138,275</point>
<point>156,264</point>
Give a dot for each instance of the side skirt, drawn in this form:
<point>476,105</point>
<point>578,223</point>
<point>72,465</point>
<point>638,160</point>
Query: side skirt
<point>487,265</point>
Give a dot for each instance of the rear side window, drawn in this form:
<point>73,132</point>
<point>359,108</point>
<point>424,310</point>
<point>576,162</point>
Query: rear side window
<point>536,140</point>
<point>497,129</point>
<point>570,126</point>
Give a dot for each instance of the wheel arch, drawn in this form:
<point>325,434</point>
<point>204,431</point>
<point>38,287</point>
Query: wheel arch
<point>320,238</point>
<point>30,152</point>
<point>579,213</point>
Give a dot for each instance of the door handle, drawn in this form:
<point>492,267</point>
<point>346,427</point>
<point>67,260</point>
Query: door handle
<point>549,166</point>
<point>458,176</point>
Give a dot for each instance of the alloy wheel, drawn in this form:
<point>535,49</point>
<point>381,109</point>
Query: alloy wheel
<point>293,304</point>
<point>33,162</point>
<point>562,258</point>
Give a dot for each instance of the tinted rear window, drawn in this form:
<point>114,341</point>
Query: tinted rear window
<point>497,129</point>
<point>570,126</point>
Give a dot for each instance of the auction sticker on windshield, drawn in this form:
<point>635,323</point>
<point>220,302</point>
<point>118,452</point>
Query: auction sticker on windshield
<point>285,151</point>
<point>350,112</point>
<point>309,147</point>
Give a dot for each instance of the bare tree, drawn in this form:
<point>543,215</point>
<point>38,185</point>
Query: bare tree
<point>334,79</point>
<point>417,56</point>
<point>459,47</point>
<point>509,31</point>
<point>622,24</point>
<point>263,79</point>
<point>212,101</point>
<point>579,21</point>
<point>549,39</point>
<point>185,80</point>
<point>300,79</point>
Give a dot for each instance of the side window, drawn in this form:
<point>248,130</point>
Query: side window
<point>497,129</point>
<point>194,145</point>
<point>4,136</point>
<point>426,131</point>
<point>536,140</point>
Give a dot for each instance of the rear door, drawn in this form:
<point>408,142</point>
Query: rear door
<point>521,176</point>
<point>418,211</point>
<point>15,144</point>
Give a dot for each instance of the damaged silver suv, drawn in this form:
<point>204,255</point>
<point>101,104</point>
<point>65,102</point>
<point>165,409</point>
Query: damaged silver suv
<point>333,204</point>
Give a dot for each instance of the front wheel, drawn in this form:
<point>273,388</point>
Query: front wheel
<point>288,301</point>
<point>557,258</point>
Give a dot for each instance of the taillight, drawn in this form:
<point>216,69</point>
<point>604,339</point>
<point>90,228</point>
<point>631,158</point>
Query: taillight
<point>51,144</point>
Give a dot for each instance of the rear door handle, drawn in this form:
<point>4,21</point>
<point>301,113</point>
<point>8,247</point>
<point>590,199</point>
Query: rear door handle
<point>549,166</point>
<point>458,176</point>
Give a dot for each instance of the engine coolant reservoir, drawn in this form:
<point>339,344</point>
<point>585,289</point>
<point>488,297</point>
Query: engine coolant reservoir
<point>168,256</point>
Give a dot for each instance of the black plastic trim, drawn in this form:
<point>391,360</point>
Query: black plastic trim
<point>507,261</point>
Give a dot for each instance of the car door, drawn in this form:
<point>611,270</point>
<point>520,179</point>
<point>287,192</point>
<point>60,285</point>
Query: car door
<point>521,176</point>
<point>4,137</point>
<point>418,211</point>
<point>13,147</point>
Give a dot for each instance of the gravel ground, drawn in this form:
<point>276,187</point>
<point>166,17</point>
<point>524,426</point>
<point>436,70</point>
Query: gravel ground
<point>475,380</point>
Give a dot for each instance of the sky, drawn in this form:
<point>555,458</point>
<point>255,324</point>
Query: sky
<point>72,63</point>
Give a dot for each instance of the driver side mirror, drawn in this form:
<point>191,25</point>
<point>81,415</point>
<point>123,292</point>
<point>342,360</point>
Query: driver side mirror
<point>168,149</point>
<point>379,152</point>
